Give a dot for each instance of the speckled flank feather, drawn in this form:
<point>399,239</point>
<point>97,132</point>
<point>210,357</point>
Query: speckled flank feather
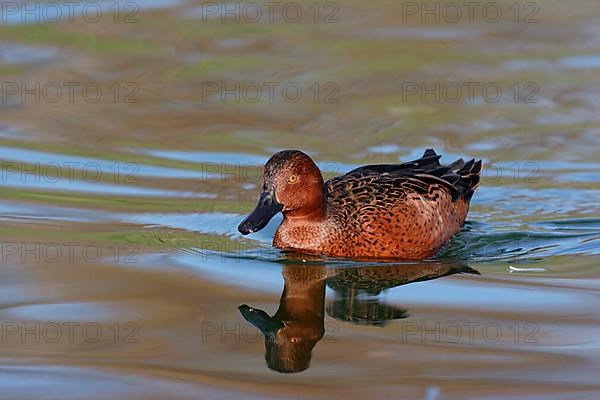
<point>406,211</point>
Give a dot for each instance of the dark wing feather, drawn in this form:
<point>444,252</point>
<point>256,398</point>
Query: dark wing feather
<point>460,179</point>
<point>429,161</point>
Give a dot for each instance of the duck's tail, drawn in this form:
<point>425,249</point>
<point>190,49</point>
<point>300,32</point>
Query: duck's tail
<point>463,176</point>
<point>470,175</point>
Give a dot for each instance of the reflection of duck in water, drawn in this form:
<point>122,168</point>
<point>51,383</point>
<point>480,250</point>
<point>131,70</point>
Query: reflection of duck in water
<point>298,324</point>
<point>357,290</point>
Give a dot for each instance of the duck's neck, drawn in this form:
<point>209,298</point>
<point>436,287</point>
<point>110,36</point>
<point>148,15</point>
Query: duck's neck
<point>313,209</point>
<point>316,214</point>
<point>306,230</point>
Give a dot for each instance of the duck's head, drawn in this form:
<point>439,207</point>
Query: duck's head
<point>292,183</point>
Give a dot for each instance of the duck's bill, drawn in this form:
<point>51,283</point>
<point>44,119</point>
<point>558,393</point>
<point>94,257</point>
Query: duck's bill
<point>261,320</point>
<point>259,218</point>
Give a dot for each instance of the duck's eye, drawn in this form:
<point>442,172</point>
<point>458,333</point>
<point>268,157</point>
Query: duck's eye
<point>293,179</point>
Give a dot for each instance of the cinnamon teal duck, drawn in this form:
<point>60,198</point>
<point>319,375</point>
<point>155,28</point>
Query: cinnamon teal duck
<point>400,211</point>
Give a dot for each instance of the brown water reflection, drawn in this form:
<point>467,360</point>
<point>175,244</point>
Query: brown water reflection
<point>294,330</point>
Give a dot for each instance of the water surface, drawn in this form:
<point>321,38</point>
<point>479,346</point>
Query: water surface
<point>123,274</point>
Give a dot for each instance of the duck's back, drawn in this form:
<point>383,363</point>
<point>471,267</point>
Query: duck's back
<point>405,210</point>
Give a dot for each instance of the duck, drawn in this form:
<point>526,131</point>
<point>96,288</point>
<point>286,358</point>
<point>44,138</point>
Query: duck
<point>406,211</point>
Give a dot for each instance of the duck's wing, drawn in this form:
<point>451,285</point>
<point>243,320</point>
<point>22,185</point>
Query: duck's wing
<point>428,162</point>
<point>424,176</point>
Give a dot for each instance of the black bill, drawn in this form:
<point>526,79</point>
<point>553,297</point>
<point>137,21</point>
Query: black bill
<point>259,218</point>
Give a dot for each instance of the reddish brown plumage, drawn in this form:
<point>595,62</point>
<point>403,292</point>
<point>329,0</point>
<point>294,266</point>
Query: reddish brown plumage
<point>404,211</point>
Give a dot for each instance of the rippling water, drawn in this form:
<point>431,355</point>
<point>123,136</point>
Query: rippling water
<point>123,274</point>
